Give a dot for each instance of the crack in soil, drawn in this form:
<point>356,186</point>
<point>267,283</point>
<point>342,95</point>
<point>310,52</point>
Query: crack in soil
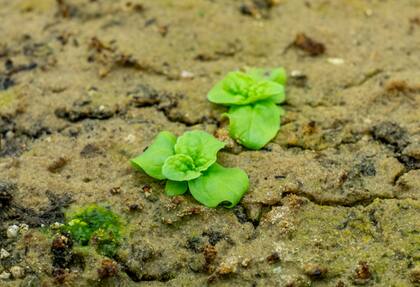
<point>366,77</point>
<point>360,202</point>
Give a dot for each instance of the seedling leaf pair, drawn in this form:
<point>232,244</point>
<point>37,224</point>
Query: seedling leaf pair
<point>254,118</point>
<point>179,159</point>
<point>238,88</point>
<point>190,162</point>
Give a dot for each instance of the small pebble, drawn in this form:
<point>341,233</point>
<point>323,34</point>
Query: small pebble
<point>130,138</point>
<point>296,73</point>
<point>10,135</point>
<point>335,61</point>
<point>245,263</point>
<point>12,231</point>
<point>187,75</point>
<point>17,272</point>
<point>4,253</point>
<point>226,268</point>
<point>4,275</point>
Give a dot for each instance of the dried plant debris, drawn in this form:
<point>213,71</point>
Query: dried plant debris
<point>310,46</point>
<point>57,165</point>
<point>401,86</point>
<point>414,23</point>
<point>258,8</point>
<point>66,10</point>
<point>362,274</point>
<point>108,269</point>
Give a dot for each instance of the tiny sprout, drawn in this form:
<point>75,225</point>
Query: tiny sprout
<point>189,162</point>
<point>254,117</point>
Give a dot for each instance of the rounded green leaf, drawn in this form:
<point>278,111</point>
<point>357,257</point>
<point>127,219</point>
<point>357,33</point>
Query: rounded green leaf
<point>152,160</point>
<point>219,185</point>
<point>180,167</point>
<point>231,90</point>
<point>277,76</point>
<point>200,146</point>
<point>254,125</point>
<point>266,90</point>
<point>173,188</point>
<point>238,88</point>
<point>237,82</point>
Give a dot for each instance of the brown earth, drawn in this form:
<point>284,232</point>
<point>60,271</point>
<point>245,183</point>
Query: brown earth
<point>333,201</point>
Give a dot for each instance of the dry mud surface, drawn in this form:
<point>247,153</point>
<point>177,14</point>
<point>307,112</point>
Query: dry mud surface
<point>86,85</point>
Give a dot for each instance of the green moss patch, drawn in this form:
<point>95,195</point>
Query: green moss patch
<point>98,226</point>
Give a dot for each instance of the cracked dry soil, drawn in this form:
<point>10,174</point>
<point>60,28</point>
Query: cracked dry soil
<point>86,85</point>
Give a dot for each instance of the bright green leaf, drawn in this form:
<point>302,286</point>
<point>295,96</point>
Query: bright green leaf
<point>278,76</point>
<point>218,185</point>
<point>200,146</point>
<point>237,83</point>
<point>238,88</point>
<point>266,90</point>
<point>173,188</point>
<point>276,92</point>
<point>254,125</point>
<point>152,160</point>
<point>180,167</point>
<point>231,90</point>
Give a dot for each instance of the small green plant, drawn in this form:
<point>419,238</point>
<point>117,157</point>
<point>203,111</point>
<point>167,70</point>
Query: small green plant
<point>252,97</point>
<point>189,162</point>
<point>95,225</point>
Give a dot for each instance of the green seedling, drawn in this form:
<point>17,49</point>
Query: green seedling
<point>189,162</point>
<point>98,226</point>
<point>252,97</point>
